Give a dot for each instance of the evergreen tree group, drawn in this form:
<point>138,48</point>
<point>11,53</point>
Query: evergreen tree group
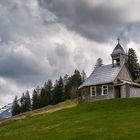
<point>50,94</point>
<point>21,105</point>
<point>64,88</point>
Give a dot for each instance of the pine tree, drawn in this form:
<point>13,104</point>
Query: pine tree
<point>45,96</point>
<point>38,90</point>
<point>58,92</point>
<point>35,104</point>
<point>27,101</point>
<point>76,79</point>
<point>15,107</point>
<point>42,98</point>
<point>22,102</point>
<point>54,93</point>
<point>74,83</point>
<point>83,76</point>
<point>48,88</point>
<point>99,62</point>
<point>133,64</point>
<point>66,80</point>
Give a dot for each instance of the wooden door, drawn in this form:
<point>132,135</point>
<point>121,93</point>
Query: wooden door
<point>118,92</point>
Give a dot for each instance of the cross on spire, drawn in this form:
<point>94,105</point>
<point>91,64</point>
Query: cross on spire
<point>118,40</point>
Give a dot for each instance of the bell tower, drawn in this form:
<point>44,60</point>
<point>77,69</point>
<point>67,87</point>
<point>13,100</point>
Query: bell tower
<point>119,57</point>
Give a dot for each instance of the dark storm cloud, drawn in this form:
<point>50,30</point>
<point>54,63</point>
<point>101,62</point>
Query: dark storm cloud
<point>98,22</point>
<point>43,39</point>
<point>21,68</point>
<point>14,66</point>
<point>131,32</point>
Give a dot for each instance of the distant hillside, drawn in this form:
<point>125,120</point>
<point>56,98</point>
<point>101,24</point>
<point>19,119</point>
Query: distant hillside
<point>5,112</point>
<point>115,119</point>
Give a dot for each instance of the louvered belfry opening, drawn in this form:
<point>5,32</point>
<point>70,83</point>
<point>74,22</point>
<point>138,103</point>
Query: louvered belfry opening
<point>118,56</point>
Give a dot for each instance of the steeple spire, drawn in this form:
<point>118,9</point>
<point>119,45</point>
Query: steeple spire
<point>118,40</point>
<point>118,55</point>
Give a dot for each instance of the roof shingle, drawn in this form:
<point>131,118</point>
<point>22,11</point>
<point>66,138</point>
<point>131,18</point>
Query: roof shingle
<point>102,75</point>
<point>118,50</point>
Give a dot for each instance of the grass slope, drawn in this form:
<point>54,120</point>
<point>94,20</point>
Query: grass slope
<point>115,119</point>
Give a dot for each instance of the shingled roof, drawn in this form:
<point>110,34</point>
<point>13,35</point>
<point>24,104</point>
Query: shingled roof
<point>102,75</point>
<point>118,50</point>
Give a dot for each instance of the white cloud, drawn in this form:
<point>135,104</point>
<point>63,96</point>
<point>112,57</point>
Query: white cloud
<point>2,81</point>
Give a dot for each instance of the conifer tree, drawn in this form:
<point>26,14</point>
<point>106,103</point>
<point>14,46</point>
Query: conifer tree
<point>15,107</point>
<point>35,100</point>
<point>43,98</point>
<point>48,88</point>
<point>77,78</point>
<point>27,101</point>
<point>74,83</point>
<point>54,93</point>
<point>83,76</point>
<point>133,64</point>
<point>99,62</point>
<point>58,92</point>
<point>67,87</point>
<point>22,102</point>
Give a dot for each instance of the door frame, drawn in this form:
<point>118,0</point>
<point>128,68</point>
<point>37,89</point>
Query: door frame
<point>117,91</point>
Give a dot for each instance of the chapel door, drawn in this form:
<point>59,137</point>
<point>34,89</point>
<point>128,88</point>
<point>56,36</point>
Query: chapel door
<point>118,92</point>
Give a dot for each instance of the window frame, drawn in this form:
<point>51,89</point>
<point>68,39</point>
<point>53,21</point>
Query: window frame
<point>104,87</point>
<point>91,91</point>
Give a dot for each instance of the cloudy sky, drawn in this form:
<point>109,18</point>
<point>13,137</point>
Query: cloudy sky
<point>43,39</point>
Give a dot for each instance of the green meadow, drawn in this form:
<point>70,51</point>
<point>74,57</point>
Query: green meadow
<point>115,119</point>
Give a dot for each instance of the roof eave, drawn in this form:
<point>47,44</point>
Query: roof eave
<point>96,84</point>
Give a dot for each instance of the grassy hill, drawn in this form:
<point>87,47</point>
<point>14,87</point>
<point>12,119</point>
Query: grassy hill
<point>115,119</point>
